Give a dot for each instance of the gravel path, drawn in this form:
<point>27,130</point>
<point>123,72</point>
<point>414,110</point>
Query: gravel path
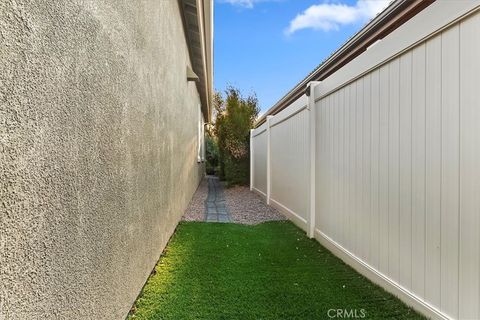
<point>247,207</point>
<point>243,205</point>
<point>196,209</point>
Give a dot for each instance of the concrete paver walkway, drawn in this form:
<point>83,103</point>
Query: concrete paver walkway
<point>215,205</point>
<point>239,203</point>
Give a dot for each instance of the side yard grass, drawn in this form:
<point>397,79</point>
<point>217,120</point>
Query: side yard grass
<point>266,271</point>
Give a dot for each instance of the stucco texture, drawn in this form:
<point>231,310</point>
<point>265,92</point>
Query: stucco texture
<point>98,150</point>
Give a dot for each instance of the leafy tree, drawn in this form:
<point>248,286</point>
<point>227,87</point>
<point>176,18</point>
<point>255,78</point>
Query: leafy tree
<point>235,115</point>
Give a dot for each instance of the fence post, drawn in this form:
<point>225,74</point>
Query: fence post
<point>269,161</point>
<point>312,150</point>
<point>251,159</point>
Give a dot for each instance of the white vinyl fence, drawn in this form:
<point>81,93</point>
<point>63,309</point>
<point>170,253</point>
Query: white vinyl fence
<point>389,147</point>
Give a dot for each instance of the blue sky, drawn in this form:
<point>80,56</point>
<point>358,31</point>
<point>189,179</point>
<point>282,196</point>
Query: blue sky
<point>268,46</point>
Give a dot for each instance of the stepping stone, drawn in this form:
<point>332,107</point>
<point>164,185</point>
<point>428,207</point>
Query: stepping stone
<point>212,218</point>
<point>223,218</point>
<point>215,205</point>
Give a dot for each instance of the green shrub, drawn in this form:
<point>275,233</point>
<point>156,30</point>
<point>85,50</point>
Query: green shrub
<point>237,171</point>
<point>212,155</point>
<point>235,116</point>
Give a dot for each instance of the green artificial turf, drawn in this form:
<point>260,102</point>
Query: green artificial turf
<point>267,271</point>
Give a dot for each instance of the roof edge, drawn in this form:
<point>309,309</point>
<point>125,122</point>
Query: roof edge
<point>197,16</point>
<point>392,17</point>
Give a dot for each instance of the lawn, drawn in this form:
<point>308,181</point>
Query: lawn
<point>267,271</point>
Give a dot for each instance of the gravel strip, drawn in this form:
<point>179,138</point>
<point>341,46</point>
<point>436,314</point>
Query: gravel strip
<point>247,207</point>
<point>196,208</point>
<point>243,205</point>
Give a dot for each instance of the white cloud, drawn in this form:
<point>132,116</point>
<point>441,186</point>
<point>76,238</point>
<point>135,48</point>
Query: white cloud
<point>245,3</point>
<point>331,16</point>
<point>241,3</point>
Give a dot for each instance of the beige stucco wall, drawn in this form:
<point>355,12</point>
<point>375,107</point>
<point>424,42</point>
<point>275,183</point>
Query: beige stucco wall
<point>98,143</point>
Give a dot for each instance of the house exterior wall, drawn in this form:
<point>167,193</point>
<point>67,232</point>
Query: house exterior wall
<point>397,148</point>
<point>98,152</point>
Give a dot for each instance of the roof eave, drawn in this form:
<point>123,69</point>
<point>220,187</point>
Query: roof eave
<point>398,12</point>
<point>197,17</point>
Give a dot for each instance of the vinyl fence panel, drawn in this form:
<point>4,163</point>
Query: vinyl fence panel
<point>290,151</point>
<point>259,145</point>
<point>397,161</point>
